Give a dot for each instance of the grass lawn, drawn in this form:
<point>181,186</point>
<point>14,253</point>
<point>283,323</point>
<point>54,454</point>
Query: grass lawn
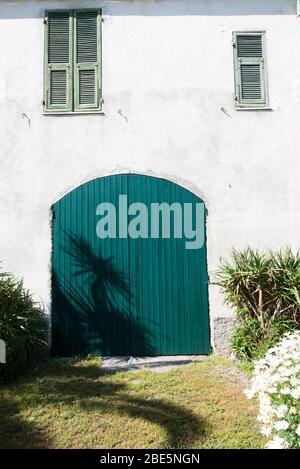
<point>71,405</point>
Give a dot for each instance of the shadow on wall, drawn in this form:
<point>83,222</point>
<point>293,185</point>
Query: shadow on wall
<point>91,306</point>
<point>11,9</point>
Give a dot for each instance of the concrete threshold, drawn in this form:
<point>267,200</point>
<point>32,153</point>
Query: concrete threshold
<point>155,364</point>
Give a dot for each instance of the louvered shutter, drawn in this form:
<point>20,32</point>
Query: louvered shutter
<point>250,70</point>
<point>58,61</point>
<point>87,60</point>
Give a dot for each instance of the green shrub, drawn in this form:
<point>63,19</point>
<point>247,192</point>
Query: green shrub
<point>264,289</point>
<point>250,342</point>
<point>23,326</point>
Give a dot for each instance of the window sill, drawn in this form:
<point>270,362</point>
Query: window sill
<point>80,113</point>
<point>265,108</point>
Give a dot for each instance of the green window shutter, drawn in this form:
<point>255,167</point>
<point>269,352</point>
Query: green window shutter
<point>58,61</point>
<point>87,60</point>
<point>250,69</point>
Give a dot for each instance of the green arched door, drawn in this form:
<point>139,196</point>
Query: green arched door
<point>129,273</point>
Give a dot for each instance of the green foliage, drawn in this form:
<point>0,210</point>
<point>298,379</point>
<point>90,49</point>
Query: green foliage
<point>250,342</point>
<point>23,326</point>
<point>264,289</point>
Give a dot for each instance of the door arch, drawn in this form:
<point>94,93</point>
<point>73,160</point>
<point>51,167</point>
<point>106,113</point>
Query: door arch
<point>124,281</point>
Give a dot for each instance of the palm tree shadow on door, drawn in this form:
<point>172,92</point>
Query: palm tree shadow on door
<point>91,303</point>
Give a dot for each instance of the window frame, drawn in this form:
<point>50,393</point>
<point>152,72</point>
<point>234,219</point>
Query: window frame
<point>71,91</point>
<point>241,103</point>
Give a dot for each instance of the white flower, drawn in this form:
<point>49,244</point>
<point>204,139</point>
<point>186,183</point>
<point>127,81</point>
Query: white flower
<point>294,381</point>
<point>276,443</point>
<point>249,393</point>
<point>266,430</point>
<point>281,425</point>
<point>295,393</point>
<point>276,384</point>
<point>286,390</point>
<point>281,410</point>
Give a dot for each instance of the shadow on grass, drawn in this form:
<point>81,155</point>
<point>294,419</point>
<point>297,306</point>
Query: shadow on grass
<point>67,383</point>
<point>16,432</point>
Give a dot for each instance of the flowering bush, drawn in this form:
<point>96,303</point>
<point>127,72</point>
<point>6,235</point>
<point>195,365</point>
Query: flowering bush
<point>276,384</point>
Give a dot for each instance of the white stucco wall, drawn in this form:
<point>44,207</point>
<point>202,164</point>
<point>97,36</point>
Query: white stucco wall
<point>167,67</point>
